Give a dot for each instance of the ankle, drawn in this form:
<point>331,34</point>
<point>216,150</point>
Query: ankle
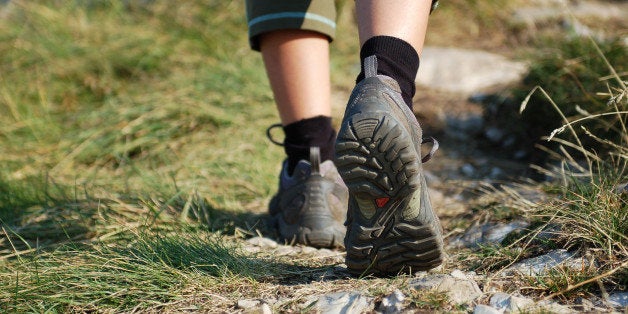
<point>396,59</point>
<point>306,133</point>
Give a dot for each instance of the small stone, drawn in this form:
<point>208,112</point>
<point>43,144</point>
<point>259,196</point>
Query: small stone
<point>457,273</point>
<point>584,305</point>
<point>539,265</point>
<point>621,188</point>
<point>342,302</point>
<point>265,309</point>
<point>494,134</point>
<point>469,124</point>
<point>619,299</point>
<point>485,309</point>
<point>458,290</point>
<point>505,301</point>
<point>468,170</point>
<point>520,154</point>
<point>326,253</point>
<point>509,141</point>
<point>308,250</point>
<point>496,173</point>
<point>551,307</point>
<point>262,242</point>
<point>285,250</point>
<point>247,304</point>
<point>490,233</point>
<point>497,233</point>
<point>392,303</point>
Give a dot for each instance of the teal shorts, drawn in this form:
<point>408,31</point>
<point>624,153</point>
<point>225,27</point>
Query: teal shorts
<point>314,15</point>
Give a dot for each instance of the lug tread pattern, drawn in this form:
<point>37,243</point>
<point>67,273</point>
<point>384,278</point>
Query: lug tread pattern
<point>376,158</point>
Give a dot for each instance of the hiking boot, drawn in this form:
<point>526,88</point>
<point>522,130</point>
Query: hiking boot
<point>311,205</point>
<point>391,227</point>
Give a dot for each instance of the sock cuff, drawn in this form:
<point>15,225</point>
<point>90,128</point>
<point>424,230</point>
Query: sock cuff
<point>396,58</point>
<point>303,134</point>
<point>303,131</point>
<point>404,53</point>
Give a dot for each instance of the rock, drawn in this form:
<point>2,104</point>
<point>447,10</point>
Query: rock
<point>520,154</point>
<point>265,309</point>
<point>466,71</point>
<point>458,290</point>
<point>560,11</point>
<point>621,188</point>
<point>392,303</point>
<point>457,273</point>
<point>580,30</point>
<point>468,170</point>
<point>550,307</point>
<point>262,242</point>
<point>490,233</point>
<point>325,253</point>
<point>507,302</point>
<point>539,265</point>
<point>247,304</point>
<point>496,173</point>
<point>342,303</point>
<point>493,134</point>
<point>284,250</point>
<point>470,124</point>
<point>619,299</point>
<point>308,250</point>
<point>254,307</point>
<point>584,305</point>
<point>497,233</point>
<point>485,309</point>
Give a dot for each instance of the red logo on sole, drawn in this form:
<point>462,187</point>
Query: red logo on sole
<point>381,202</point>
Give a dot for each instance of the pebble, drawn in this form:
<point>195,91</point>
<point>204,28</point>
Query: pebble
<point>458,290</point>
<point>468,170</point>
<point>493,134</point>
<point>584,305</point>
<point>485,309</point>
<point>342,303</point>
<point>262,242</point>
<point>285,250</point>
<point>507,302</point>
<point>490,233</point>
<point>247,304</point>
<point>619,299</point>
<point>621,188</point>
<point>540,265</point>
<point>470,124</point>
<point>264,309</point>
<point>392,303</point>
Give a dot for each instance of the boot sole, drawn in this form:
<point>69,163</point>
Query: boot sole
<point>378,162</point>
<point>327,238</point>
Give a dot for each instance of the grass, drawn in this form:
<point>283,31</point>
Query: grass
<point>585,213</point>
<point>127,133</point>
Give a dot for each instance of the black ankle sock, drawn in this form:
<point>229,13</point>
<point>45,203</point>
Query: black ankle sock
<point>303,134</point>
<point>395,58</point>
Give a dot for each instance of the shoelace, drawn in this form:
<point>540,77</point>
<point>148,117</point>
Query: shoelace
<point>435,145</point>
<point>270,136</point>
<point>424,140</point>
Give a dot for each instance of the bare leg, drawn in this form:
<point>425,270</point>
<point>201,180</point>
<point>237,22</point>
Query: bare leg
<point>297,64</point>
<point>378,152</point>
<point>404,19</point>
